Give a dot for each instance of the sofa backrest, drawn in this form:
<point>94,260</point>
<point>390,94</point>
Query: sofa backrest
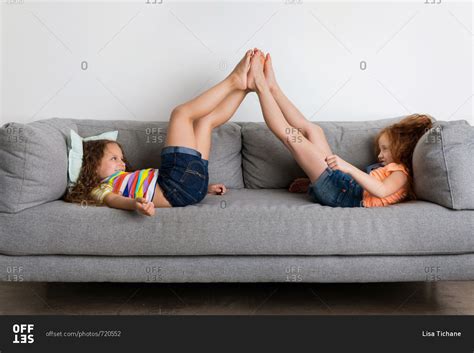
<point>34,163</point>
<point>143,141</point>
<point>267,163</point>
<point>33,157</point>
<point>443,165</point>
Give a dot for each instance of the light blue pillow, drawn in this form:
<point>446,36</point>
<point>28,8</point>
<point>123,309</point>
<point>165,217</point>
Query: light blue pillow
<point>75,152</point>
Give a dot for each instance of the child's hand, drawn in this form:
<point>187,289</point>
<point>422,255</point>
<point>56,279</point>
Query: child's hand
<point>216,189</point>
<point>144,207</point>
<point>299,185</point>
<point>337,163</point>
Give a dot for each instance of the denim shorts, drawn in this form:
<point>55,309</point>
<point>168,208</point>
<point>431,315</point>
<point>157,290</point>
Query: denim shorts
<point>336,189</point>
<point>183,176</point>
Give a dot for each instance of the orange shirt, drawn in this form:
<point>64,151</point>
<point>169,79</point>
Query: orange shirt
<point>381,174</point>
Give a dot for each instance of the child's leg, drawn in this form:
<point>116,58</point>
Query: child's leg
<point>203,127</point>
<point>308,155</point>
<point>181,126</point>
<point>313,132</point>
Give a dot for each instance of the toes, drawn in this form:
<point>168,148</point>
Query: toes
<point>261,57</point>
<point>268,67</point>
<point>248,56</point>
<point>253,59</point>
<point>267,62</point>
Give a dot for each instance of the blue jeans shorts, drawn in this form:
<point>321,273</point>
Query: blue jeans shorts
<point>183,176</point>
<point>336,189</point>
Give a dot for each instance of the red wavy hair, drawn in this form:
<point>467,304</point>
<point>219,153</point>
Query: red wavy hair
<point>403,137</point>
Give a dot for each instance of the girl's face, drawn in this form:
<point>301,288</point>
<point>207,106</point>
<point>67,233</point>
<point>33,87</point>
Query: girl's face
<point>111,162</point>
<point>385,155</point>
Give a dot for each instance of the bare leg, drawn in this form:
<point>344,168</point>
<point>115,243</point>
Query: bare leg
<point>308,156</point>
<point>223,112</point>
<point>181,127</point>
<point>313,132</point>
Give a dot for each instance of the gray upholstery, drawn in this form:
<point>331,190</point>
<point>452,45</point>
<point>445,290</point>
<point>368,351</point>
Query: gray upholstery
<point>242,222</point>
<point>267,164</point>
<point>163,269</point>
<point>252,234</point>
<point>33,163</point>
<point>143,141</point>
<point>33,157</point>
<point>443,165</point>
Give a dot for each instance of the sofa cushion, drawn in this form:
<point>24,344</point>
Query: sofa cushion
<point>143,140</point>
<point>267,163</point>
<point>241,222</point>
<point>33,163</point>
<point>443,165</point>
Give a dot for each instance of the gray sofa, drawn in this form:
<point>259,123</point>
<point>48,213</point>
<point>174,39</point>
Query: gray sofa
<point>257,232</point>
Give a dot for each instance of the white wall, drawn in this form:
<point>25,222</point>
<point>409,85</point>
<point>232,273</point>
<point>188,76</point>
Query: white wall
<point>144,59</point>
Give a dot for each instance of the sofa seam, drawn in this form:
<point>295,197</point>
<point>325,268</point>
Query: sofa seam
<point>241,128</point>
<point>410,253</point>
<point>446,167</point>
<point>25,154</point>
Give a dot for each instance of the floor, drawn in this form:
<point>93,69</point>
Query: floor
<point>417,298</point>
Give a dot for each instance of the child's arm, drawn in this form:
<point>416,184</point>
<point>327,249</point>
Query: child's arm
<point>126,203</point>
<point>216,189</point>
<point>378,188</point>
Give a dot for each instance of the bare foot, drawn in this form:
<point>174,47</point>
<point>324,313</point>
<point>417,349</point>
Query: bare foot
<point>262,58</point>
<point>239,74</point>
<point>255,77</point>
<point>269,73</point>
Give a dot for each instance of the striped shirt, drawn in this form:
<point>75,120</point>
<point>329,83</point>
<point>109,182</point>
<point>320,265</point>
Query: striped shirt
<point>140,183</point>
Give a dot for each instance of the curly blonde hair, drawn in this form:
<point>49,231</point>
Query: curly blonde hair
<point>403,137</point>
<point>88,178</point>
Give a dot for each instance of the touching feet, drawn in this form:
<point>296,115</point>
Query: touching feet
<point>239,74</point>
<point>256,78</point>
<point>269,73</point>
<point>261,68</point>
<point>254,72</point>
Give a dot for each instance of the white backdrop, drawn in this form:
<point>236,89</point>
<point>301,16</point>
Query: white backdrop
<point>136,60</point>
